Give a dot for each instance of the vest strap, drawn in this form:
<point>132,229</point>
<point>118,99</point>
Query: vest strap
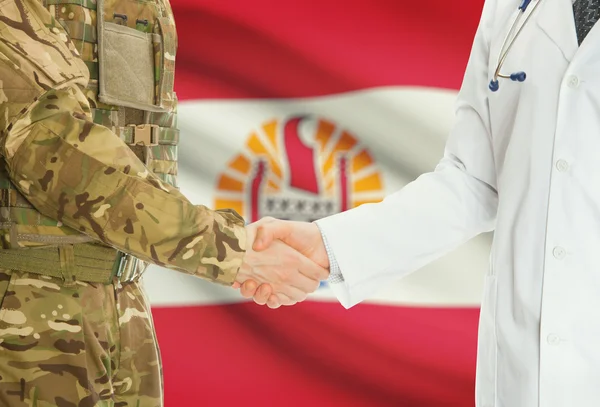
<point>148,135</point>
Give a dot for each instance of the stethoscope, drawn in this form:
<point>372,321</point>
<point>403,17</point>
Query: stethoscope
<point>507,45</point>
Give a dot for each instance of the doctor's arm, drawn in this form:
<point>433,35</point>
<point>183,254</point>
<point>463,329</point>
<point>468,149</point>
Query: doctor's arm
<point>376,244</point>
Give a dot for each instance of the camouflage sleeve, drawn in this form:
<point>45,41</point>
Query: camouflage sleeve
<point>82,174</point>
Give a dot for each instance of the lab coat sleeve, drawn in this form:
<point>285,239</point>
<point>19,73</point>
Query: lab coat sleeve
<point>375,244</point>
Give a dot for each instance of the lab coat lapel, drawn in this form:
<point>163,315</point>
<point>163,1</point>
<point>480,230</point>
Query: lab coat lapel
<point>555,18</point>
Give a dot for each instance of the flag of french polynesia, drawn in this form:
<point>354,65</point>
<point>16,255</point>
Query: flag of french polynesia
<point>298,110</point>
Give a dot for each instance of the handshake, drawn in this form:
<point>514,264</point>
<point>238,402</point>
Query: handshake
<point>284,262</point>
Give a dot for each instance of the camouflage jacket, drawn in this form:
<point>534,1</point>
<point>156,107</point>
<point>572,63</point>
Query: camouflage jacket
<point>80,173</point>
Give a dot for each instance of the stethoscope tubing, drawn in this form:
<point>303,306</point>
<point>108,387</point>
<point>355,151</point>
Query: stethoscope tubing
<point>507,45</point>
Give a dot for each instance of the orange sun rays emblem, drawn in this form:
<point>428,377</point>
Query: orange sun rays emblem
<point>300,168</point>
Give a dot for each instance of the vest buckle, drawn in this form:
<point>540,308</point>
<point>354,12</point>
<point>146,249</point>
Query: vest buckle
<point>144,134</point>
<point>126,268</point>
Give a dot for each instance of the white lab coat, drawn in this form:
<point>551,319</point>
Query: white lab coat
<point>524,161</point>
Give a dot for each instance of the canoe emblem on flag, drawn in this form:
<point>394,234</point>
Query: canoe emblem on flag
<point>299,168</point>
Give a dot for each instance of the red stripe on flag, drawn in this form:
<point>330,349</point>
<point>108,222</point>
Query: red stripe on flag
<point>276,49</point>
<point>318,354</point>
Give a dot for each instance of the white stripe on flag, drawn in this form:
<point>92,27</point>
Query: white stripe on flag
<point>403,128</point>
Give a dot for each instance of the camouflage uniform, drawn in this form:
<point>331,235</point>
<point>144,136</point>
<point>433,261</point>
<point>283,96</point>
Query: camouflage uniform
<point>88,197</point>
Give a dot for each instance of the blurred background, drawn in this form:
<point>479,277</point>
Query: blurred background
<point>298,110</point>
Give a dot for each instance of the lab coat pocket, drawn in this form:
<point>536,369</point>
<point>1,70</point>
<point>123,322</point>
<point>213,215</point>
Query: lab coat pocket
<point>485,387</point>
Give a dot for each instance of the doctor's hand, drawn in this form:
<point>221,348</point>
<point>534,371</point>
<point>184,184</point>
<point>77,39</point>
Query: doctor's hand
<point>302,236</point>
<point>289,275</point>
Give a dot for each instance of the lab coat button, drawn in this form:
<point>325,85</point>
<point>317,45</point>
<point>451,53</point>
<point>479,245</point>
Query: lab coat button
<point>553,339</point>
<point>559,253</point>
<point>562,165</point>
<point>573,81</point>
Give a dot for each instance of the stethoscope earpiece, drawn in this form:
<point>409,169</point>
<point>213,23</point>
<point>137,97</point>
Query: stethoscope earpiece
<point>494,85</point>
<point>518,76</point>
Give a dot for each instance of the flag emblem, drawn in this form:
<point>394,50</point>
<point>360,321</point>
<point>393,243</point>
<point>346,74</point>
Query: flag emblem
<point>299,168</point>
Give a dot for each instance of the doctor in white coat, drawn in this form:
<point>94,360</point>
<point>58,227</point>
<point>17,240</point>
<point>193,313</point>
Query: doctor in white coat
<point>523,159</point>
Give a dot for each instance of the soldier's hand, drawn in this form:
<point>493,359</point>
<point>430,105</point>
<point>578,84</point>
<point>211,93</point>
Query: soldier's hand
<point>287,275</point>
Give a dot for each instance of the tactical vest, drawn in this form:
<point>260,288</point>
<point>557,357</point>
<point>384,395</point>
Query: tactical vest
<point>129,48</point>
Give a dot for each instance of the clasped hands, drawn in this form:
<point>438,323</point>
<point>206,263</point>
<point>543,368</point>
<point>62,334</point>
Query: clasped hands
<point>284,262</point>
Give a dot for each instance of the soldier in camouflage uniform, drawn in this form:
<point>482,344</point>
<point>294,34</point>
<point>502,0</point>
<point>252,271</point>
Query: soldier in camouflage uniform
<point>88,198</point>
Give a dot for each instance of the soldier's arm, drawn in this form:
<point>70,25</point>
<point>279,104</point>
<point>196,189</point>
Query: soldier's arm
<point>82,174</point>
